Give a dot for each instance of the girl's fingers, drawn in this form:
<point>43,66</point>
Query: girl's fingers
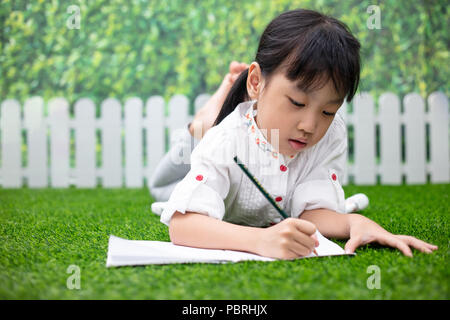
<point>395,242</point>
<point>244,65</point>
<point>401,242</point>
<point>305,226</point>
<point>237,67</point>
<point>417,243</point>
<point>304,240</point>
<point>387,240</point>
<point>299,249</point>
<point>233,66</point>
<point>426,244</point>
<point>352,244</point>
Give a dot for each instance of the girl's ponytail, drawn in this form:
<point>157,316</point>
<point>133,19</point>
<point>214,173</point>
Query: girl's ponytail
<point>237,94</point>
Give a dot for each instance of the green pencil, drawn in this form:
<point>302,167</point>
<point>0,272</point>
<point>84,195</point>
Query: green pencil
<point>263,191</point>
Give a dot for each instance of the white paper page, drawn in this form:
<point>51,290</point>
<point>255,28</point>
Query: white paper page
<point>123,252</point>
<point>327,247</point>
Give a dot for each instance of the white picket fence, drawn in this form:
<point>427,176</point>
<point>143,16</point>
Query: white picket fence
<point>48,140</point>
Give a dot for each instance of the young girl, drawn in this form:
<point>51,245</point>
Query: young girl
<point>279,119</point>
<point>169,172</point>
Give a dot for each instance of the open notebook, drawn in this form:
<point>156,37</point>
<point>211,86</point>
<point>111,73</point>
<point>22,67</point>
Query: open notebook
<point>123,252</point>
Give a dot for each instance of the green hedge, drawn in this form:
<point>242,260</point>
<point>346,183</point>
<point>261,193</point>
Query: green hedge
<point>127,48</point>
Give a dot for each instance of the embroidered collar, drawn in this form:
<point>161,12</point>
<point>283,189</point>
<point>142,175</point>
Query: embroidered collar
<point>259,139</point>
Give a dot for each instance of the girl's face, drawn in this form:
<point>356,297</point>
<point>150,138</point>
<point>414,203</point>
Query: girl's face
<point>296,114</point>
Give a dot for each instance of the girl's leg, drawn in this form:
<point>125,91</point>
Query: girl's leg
<point>205,116</point>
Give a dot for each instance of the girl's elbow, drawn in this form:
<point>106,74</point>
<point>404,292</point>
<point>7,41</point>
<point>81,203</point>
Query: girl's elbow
<point>174,228</point>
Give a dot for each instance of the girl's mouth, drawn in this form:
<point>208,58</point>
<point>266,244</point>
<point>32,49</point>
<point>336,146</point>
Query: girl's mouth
<point>296,145</point>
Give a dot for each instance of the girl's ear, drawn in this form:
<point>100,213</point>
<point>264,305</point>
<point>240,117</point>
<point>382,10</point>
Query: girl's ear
<point>254,81</point>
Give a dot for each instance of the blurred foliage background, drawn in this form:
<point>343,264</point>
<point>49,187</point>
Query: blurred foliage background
<point>126,48</point>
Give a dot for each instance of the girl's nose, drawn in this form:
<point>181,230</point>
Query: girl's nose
<point>307,124</point>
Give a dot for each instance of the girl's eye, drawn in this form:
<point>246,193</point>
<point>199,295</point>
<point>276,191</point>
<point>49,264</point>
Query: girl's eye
<point>298,104</point>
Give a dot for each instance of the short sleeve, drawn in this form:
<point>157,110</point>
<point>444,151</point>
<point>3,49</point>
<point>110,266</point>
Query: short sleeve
<point>322,189</point>
<point>206,185</point>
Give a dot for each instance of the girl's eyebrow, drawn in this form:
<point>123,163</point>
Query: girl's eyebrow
<point>334,101</point>
<point>337,100</point>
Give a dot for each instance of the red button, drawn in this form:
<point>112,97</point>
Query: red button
<point>199,177</point>
<point>333,177</point>
<point>272,223</point>
<point>278,198</point>
<point>283,168</point>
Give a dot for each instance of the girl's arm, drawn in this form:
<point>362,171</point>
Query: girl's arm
<point>361,230</point>
<point>330,223</point>
<point>288,239</point>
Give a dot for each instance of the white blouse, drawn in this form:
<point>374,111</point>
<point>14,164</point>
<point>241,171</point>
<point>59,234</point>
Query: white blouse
<point>217,187</point>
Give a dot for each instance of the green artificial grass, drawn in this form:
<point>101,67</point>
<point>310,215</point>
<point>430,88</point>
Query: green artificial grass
<point>43,232</point>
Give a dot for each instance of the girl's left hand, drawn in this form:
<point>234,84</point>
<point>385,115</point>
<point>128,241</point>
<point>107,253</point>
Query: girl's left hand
<point>364,231</point>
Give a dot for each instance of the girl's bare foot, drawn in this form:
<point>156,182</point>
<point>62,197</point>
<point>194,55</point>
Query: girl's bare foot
<point>205,116</point>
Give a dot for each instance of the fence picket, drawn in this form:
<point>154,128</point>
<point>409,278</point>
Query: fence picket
<point>200,101</point>
<point>37,172</point>
<point>390,139</point>
<point>85,139</point>
<point>155,131</point>
<point>414,115</point>
<point>59,142</point>
<point>11,144</point>
<point>111,137</point>
<point>364,140</point>
<point>439,141</point>
<point>133,143</point>
<point>178,115</point>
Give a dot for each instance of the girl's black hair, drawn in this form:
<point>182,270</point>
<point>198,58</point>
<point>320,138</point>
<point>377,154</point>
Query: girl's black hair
<point>308,47</point>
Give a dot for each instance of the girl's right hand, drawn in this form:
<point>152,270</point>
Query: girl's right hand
<point>289,239</point>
